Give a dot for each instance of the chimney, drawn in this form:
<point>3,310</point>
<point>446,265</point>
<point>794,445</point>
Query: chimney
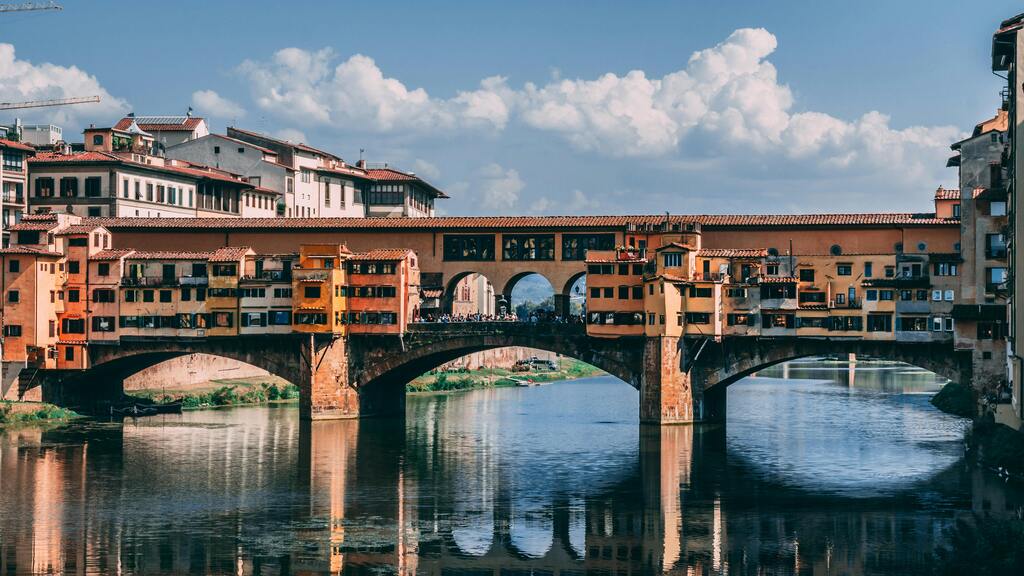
<point>361,164</point>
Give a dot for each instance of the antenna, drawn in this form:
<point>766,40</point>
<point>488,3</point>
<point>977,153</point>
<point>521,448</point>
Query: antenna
<point>46,103</point>
<point>30,7</point>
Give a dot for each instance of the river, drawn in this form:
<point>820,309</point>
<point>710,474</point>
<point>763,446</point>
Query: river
<point>820,469</point>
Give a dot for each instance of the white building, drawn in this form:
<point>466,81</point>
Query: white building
<point>167,131</point>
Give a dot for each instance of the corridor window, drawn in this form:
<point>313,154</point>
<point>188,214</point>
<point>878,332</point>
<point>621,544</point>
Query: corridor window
<point>469,248</point>
<point>72,326</point>
<point>700,292</point>
<point>812,322</point>
<point>740,319</point>
<point>772,320</point>
<point>847,323</point>
<point>879,322</point>
<point>528,247</point>
<point>698,318</point>
<point>575,246</point>
<point>672,259</point>
<point>102,323</point>
<point>913,324</point>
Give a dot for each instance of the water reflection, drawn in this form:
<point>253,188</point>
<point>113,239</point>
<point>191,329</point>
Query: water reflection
<point>557,479</point>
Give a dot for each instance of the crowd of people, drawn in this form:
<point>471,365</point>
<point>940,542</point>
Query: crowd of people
<point>535,316</point>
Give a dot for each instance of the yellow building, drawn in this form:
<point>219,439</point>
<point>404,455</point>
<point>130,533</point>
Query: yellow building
<point>319,293</point>
<point>226,266</point>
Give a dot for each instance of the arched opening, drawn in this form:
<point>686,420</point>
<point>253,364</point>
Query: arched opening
<point>466,294</point>
<point>575,295</point>
<point>531,298</point>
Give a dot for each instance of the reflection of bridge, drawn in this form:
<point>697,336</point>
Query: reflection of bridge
<point>680,380</point>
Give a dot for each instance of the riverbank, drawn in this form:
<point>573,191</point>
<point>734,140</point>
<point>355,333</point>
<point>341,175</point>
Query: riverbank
<point>251,391</point>
<point>568,369</point>
<point>994,446</point>
<point>15,414</point>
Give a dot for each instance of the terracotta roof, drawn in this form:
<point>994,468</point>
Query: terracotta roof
<point>432,292</point>
<point>998,122</point>
<point>33,226</point>
<point>47,217</point>
<point>76,157</point>
<point>776,279</point>
<point>674,278</point>
<point>298,146</point>
<point>188,124</point>
<point>191,170</point>
<point>382,254</point>
<point>344,171</point>
<point>5,143</point>
<point>392,175</point>
<point>29,250</point>
<point>673,245</point>
<point>236,141</point>
<point>615,261</point>
<point>526,222</point>
<point>733,252</point>
<point>947,193</point>
<point>77,229</point>
<point>169,255</point>
<point>230,254</point>
<point>114,254</point>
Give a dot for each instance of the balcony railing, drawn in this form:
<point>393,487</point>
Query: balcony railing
<point>9,198</point>
<point>311,276</point>
<point>272,275</point>
<point>149,281</point>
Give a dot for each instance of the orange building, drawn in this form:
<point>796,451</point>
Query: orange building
<point>319,290</point>
<point>383,291</point>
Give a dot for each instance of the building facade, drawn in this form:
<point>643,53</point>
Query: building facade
<point>13,183</point>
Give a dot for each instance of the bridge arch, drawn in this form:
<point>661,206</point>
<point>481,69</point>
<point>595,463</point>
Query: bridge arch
<point>381,363</point>
<point>486,301</point>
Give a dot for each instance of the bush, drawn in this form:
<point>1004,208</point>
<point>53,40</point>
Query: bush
<point>955,399</point>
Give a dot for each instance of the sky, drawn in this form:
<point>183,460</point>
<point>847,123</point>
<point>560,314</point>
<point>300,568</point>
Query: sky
<point>552,108</point>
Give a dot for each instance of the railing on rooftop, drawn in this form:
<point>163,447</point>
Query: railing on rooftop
<point>272,275</point>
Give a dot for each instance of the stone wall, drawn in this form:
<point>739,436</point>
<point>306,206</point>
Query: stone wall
<point>191,371</point>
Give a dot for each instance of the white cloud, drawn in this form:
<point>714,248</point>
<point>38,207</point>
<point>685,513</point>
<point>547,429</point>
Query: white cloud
<point>21,80</point>
<point>208,102</point>
<point>725,109</point>
<point>303,87</point>
<point>426,169</point>
<point>577,203</point>
<point>499,187</point>
<point>291,135</point>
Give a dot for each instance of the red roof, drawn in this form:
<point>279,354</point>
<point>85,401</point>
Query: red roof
<point>188,125</point>
<point>392,175</point>
<point>776,279</point>
<point>30,226</point>
<point>382,254</point>
<point>5,143</point>
<point>169,255</point>
<point>77,229</point>
<point>526,222</point>
<point>230,254</point>
<point>191,170</point>
<point>29,250</point>
<point>114,254</point>
<point>733,253</point>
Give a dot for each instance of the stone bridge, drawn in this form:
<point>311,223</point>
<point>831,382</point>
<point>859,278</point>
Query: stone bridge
<point>679,380</point>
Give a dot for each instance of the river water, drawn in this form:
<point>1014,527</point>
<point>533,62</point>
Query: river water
<point>820,469</point>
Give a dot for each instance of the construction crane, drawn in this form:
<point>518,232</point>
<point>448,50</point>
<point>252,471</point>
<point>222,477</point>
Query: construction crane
<point>30,7</point>
<point>45,103</point>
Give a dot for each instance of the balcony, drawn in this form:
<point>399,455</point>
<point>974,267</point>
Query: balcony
<point>270,275</point>
<point>194,280</point>
<point>316,276</point>
<point>11,198</point>
<point>149,281</point>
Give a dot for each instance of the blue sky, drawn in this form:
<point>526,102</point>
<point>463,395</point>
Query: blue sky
<point>550,108</point>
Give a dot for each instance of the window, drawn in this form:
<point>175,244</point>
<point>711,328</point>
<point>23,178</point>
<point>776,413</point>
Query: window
<point>68,186</point>
<point>813,322</point>
<point>844,269</point>
<point>807,274</point>
<point>44,187</point>
<point>279,317</point>
<point>102,323</point>
<point>879,322</point>
<point>469,247</point>
<point>698,318</point>
<point>997,208</point>
<point>307,318</point>
<point>131,295</point>
<point>12,330</point>
<point>847,323</point>
<point>248,319</point>
<point>623,292</point>
<point>69,353</point>
<point>165,296</point>
<point>307,175</point>
<point>595,292</point>
<point>991,331</point>
<point>871,295</point>
<point>73,296</point>
<point>147,295</point>
<point>221,292</point>
<point>74,267</point>
<point>906,295</point>
<point>944,269</point>
<point>103,269</point>
<point>922,295</point>
<point>225,269</point>
<point>13,161</point>
<point>104,295</point>
<point>776,320</point>
<point>609,292</point>
<point>200,294</point>
<point>311,292</point>
<point>72,326</point>
<point>956,210</point>
<point>736,292</point>
<point>700,292</point>
<point>149,191</point>
<point>528,247</point>
<point>995,246</point>
<point>867,269</point>
<point>638,292</point>
<point>672,259</point>
<point>912,324</point>
<point>948,322</point>
<point>739,319</point>
<point>772,269</point>
<point>840,298</point>
<point>282,292</point>
<point>995,277</point>
<point>92,186</point>
<point>13,296</point>
<point>222,319</point>
<point>936,295</point>
<point>812,298</point>
<point>890,271</point>
<point>886,295</point>
<point>575,246</point>
<point>14,266</point>
<point>948,295</point>
<point>778,291</point>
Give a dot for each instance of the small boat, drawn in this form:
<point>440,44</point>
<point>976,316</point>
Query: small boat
<point>521,382</point>
<point>135,410</point>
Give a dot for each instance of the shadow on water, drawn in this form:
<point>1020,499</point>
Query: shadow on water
<point>553,479</point>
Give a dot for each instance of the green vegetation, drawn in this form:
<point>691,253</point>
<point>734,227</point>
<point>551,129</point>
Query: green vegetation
<point>955,399</point>
<point>235,392</point>
<point>465,379</point>
<point>982,545</point>
<point>23,413</point>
